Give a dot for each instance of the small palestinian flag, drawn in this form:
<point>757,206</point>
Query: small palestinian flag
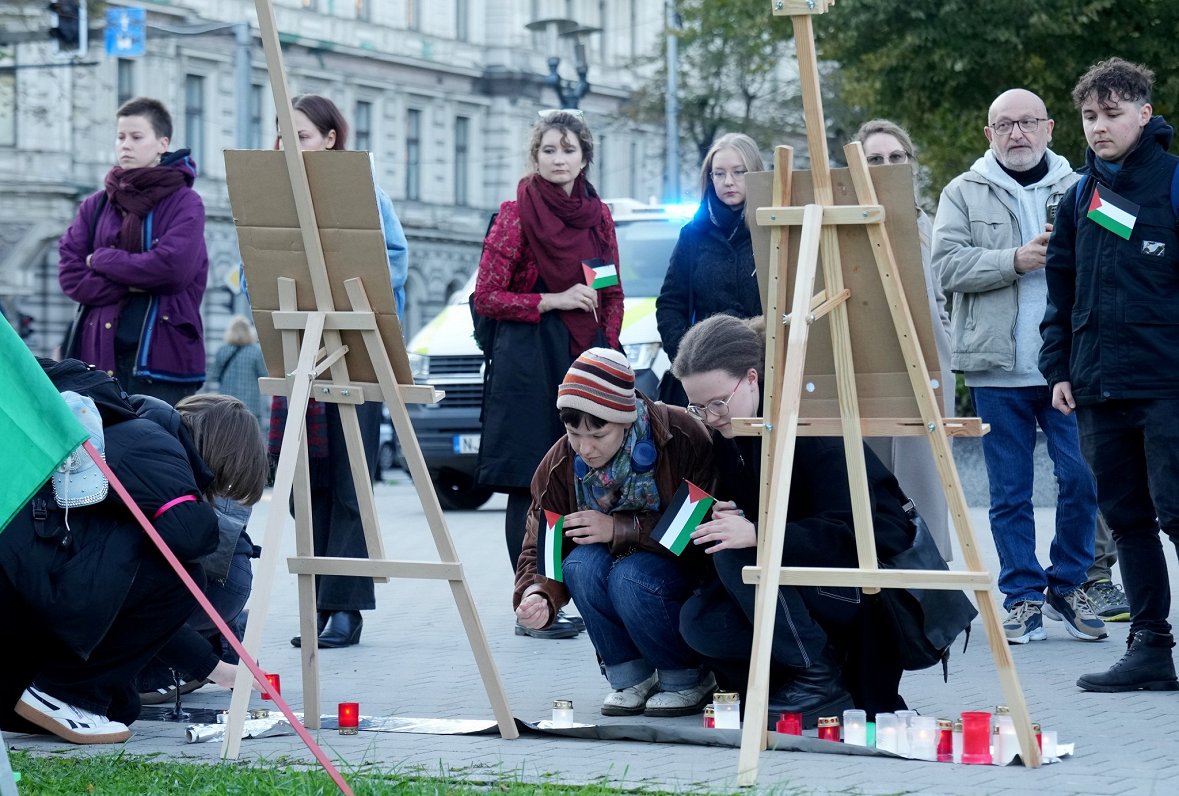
<point>1113,212</point>
<point>686,511</point>
<point>598,274</point>
<point>548,546</point>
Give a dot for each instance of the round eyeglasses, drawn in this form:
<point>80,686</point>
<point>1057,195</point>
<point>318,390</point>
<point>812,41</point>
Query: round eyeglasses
<point>717,408</point>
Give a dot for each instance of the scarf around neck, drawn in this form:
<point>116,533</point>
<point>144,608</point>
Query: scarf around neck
<point>615,486</point>
<point>562,230</point>
<point>134,192</point>
<point>730,221</point>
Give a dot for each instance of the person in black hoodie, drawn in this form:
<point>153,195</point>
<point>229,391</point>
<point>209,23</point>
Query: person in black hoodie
<point>1111,347</point>
<point>86,596</point>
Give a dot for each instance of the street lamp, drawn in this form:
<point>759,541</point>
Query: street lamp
<point>569,92</point>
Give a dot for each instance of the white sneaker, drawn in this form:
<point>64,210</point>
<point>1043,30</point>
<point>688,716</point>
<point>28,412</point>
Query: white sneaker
<point>688,702</point>
<point>630,701</point>
<point>66,721</point>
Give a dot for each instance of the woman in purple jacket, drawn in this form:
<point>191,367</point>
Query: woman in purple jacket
<point>134,259</point>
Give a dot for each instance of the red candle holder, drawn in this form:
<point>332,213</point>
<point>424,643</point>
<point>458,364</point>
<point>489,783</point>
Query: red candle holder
<point>976,737</point>
<point>945,741</point>
<point>829,728</point>
<point>789,724</point>
<point>275,683</point>
<point>348,718</point>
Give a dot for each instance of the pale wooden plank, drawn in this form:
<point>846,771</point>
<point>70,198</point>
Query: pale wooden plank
<point>837,214</point>
<point>953,580</point>
<point>309,564</point>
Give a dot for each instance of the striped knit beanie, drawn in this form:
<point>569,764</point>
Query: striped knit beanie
<point>600,383</point>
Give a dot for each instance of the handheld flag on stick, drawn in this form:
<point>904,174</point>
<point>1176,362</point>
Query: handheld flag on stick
<point>37,429</point>
<point>598,274</point>
<point>686,511</point>
<point>1111,211</point>
<point>548,546</point>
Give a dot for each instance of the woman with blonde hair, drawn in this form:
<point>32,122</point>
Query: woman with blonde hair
<point>237,366</point>
<point>712,268</point>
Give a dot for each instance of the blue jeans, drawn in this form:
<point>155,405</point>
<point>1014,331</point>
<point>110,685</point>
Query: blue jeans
<point>631,607</point>
<point>1013,413</point>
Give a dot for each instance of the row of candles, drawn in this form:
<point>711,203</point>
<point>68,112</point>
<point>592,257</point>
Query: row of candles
<point>347,713</point>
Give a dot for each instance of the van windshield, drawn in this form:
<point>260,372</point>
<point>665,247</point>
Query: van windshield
<point>645,247</point>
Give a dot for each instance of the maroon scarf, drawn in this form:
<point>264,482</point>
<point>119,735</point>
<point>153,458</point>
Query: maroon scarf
<point>562,230</point>
<point>134,192</point>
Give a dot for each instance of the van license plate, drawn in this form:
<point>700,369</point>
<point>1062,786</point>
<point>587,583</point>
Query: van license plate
<point>466,443</point>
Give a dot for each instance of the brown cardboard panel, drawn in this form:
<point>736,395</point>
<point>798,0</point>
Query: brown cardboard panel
<point>271,246</point>
<point>882,382</point>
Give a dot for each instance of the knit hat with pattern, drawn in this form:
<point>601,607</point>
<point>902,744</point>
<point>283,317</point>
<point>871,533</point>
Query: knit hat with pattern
<point>601,383</point>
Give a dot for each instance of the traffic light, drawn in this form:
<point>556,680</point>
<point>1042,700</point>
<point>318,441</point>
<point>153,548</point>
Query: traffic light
<point>71,26</point>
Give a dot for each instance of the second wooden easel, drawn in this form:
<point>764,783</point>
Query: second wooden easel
<point>821,223</point>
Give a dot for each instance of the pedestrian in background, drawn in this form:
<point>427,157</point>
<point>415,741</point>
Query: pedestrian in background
<point>237,366</point>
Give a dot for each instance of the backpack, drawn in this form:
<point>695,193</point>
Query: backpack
<point>482,326</point>
<point>1084,181</point>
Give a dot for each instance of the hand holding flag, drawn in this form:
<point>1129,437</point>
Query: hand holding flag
<point>687,509</point>
<point>548,546</point>
<point>599,275</point>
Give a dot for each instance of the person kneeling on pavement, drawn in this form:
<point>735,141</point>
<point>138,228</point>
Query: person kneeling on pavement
<point>619,465</point>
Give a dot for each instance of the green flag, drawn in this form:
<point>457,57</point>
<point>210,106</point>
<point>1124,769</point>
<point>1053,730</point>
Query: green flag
<point>37,429</point>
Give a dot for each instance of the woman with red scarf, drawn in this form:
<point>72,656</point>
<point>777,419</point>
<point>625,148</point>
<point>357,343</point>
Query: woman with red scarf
<point>134,259</point>
<point>532,282</point>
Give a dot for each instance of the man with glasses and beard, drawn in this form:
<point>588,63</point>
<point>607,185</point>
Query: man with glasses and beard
<point>990,237</point>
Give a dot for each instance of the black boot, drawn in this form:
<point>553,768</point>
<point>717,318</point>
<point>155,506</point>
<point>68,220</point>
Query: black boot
<point>1146,666</point>
<point>321,620</point>
<point>815,691</point>
<point>342,630</point>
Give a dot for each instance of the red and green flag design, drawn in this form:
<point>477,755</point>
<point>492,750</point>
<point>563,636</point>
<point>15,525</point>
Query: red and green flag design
<point>687,510</point>
<point>548,546</point>
<point>1113,212</point>
<point>37,430</point>
<point>598,274</point>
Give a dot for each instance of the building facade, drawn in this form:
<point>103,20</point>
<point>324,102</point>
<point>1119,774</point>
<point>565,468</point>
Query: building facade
<point>443,93</point>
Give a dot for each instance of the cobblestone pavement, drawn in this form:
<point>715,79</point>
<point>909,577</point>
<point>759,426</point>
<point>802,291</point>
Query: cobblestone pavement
<point>413,660</point>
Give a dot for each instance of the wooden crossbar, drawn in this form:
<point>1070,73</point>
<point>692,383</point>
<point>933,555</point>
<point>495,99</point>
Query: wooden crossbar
<point>883,578</point>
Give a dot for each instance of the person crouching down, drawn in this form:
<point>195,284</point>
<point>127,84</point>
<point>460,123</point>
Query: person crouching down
<point>610,477</point>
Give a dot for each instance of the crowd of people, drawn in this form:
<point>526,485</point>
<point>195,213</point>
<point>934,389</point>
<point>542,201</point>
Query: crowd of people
<point>1048,288</point>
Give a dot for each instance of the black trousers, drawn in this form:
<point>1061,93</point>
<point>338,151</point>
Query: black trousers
<point>1133,448</point>
<point>514,518</point>
<point>155,608</point>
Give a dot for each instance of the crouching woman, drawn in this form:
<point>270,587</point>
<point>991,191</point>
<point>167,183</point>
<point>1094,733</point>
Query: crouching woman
<point>611,476</point>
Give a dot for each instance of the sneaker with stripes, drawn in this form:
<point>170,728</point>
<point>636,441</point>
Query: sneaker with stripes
<point>67,721</point>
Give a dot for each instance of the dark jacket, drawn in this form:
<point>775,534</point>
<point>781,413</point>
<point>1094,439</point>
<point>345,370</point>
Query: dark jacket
<point>708,274</point>
<point>684,452</point>
<point>172,270</point>
<point>1112,323</point>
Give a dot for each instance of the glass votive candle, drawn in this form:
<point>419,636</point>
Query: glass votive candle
<point>1036,732</point>
<point>348,718</point>
<point>1048,744</point>
<point>855,727</point>
<point>1006,741</point>
<point>275,683</point>
<point>956,740</point>
<point>904,725</point>
<point>976,737</point>
<point>945,740</point>
<point>887,727</point>
<point>709,717</point>
<point>829,728</point>
<point>728,710</point>
<point>923,738</point>
<point>789,724</point>
<point>562,713</point>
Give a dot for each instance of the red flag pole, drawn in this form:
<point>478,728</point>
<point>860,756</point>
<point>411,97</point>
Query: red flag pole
<point>207,607</point>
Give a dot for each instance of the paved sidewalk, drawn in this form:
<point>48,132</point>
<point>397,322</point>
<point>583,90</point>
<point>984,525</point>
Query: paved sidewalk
<point>413,661</point>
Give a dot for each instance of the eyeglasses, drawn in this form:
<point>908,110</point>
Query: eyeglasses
<point>718,407</point>
<point>894,158</point>
<point>738,175</point>
<point>1026,125</point>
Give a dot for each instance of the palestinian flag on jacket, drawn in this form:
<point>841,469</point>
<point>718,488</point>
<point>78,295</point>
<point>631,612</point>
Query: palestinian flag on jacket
<point>598,274</point>
<point>687,510</point>
<point>548,546</point>
<point>1113,212</point>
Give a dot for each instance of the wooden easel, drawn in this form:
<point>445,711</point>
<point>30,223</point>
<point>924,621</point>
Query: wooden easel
<point>820,223</point>
<point>353,347</point>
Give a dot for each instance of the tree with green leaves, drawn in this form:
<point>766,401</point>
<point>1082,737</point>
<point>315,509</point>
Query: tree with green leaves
<point>936,65</point>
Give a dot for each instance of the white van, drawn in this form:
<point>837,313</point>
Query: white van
<point>444,353</point>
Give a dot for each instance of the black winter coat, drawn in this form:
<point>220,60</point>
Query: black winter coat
<point>708,274</point>
<point>1112,322</point>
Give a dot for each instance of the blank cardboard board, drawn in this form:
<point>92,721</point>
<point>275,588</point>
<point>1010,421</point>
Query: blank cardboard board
<point>271,246</point>
<point>882,382</point>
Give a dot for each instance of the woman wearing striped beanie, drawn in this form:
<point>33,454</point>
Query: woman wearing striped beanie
<point>603,488</point>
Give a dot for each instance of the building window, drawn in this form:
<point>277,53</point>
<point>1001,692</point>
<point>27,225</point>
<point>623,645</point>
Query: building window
<point>413,155</point>
<point>462,132</point>
<point>255,139</point>
<point>194,116</point>
<point>362,124</point>
<point>462,22</point>
<point>413,14</point>
<point>8,109</point>
<point>364,10</point>
<point>126,80</point>
<point>311,5</point>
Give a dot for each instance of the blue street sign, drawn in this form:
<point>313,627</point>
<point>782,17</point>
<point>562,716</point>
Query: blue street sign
<point>126,32</point>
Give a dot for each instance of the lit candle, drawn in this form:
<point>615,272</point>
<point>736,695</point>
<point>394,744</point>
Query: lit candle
<point>956,740</point>
<point>789,723</point>
<point>904,726</point>
<point>855,727</point>
<point>728,710</point>
<point>976,737</point>
<point>829,728</point>
<point>886,731</point>
<point>923,738</point>
<point>1048,744</point>
<point>1008,746</point>
<point>710,717</point>
<point>275,683</point>
<point>562,713</point>
<point>349,718</point>
<point>945,740</point>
